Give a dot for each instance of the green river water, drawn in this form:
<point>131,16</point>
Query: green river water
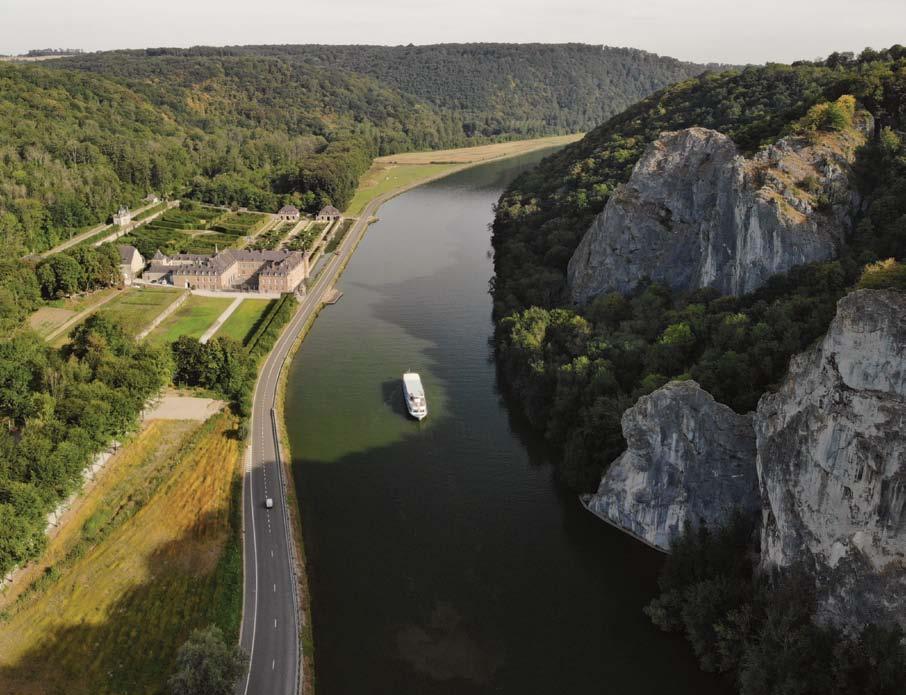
<point>443,556</point>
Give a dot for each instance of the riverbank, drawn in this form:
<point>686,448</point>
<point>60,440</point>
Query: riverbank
<point>395,174</point>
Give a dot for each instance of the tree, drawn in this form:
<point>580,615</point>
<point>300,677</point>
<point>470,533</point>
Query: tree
<point>59,276</point>
<point>206,665</point>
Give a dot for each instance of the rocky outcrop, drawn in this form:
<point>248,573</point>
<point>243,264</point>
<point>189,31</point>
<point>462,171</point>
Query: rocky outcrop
<point>688,458</point>
<point>695,213</point>
<point>832,463</point>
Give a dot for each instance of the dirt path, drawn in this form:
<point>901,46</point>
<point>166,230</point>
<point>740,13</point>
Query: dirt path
<point>81,316</point>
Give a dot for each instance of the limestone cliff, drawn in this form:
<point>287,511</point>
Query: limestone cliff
<point>689,458</point>
<point>832,463</point>
<point>695,213</point>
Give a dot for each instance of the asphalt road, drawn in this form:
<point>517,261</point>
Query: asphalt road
<point>270,621</point>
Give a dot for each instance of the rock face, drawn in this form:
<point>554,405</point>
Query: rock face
<point>689,458</point>
<point>832,463</point>
<point>695,213</point>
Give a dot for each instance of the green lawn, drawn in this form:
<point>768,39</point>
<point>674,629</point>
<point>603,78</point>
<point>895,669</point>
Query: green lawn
<point>245,319</point>
<point>192,319</point>
<point>137,308</point>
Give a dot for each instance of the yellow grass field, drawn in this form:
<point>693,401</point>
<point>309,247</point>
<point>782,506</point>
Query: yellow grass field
<point>480,153</point>
<point>152,553</point>
<point>400,171</point>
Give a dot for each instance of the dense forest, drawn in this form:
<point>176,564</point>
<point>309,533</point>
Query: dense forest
<point>523,89</point>
<point>260,127</point>
<point>576,369</point>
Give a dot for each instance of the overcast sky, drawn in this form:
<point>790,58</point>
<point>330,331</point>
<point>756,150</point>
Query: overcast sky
<point>728,31</point>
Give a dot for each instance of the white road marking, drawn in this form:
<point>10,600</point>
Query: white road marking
<point>273,663</point>
<point>275,588</point>
<point>275,623</point>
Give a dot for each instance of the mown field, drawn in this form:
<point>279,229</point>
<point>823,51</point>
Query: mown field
<point>242,323</point>
<point>152,553</point>
<point>135,309</point>
<point>193,318</point>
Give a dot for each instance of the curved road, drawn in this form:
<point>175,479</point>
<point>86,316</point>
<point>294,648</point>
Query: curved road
<point>270,615</point>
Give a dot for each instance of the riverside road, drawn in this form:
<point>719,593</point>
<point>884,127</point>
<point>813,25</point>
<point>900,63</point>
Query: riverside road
<point>270,620</point>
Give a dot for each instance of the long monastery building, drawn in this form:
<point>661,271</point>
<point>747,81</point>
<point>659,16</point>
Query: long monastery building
<point>270,271</point>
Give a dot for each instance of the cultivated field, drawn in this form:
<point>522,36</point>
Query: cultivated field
<point>193,318</point>
<point>137,308</point>
<point>152,553</point>
<point>242,322</point>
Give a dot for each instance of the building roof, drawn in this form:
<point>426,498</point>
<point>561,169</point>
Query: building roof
<point>158,256</point>
<point>329,210</point>
<point>288,210</point>
<point>283,266</point>
<point>128,253</point>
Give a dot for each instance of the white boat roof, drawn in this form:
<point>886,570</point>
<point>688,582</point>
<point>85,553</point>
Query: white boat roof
<point>413,384</point>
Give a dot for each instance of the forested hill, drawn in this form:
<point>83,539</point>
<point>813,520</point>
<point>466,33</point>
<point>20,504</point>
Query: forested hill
<point>262,126</point>
<point>509,88</point>
<point>576,369</point>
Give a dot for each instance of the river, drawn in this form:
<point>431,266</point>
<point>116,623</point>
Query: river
<point>443,556</point>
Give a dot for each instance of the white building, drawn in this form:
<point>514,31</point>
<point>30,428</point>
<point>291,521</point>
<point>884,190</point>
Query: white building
<point>122,217</point>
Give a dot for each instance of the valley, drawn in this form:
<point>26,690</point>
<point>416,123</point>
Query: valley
<point>657,308</point>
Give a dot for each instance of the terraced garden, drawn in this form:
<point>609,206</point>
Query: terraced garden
<point>197,229</point>
<point>304,240</point>
<point>272,238</point>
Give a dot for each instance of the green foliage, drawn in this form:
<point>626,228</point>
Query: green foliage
<point>261,126</point>
<point>20,293</point>
<point>737,348</point>
<point>759,628</point>
<point>80,269</point>
<point>60,409</point>
<point>884,275</point>
<point>206,665</point>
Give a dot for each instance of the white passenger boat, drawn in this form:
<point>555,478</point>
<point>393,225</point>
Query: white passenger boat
<point>414,395</point>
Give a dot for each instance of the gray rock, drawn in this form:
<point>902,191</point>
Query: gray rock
<point>689,458</point>
<point>832,463</point>
<point>695,213</point>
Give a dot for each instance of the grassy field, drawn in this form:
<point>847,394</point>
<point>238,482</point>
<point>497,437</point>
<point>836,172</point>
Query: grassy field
<point>481,153</point>
<point>137,308</point>
<point>399,171</point>
<point>244,320</point>
<point>383,177</point>
<point>152,553</point>
<point>192,319</point>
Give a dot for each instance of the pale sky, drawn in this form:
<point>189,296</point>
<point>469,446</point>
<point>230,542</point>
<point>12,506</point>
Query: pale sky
<point>728,31</point>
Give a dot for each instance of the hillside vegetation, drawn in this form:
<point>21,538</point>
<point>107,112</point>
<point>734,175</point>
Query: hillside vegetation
<point>575,370</point>
<point>259,127</point>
